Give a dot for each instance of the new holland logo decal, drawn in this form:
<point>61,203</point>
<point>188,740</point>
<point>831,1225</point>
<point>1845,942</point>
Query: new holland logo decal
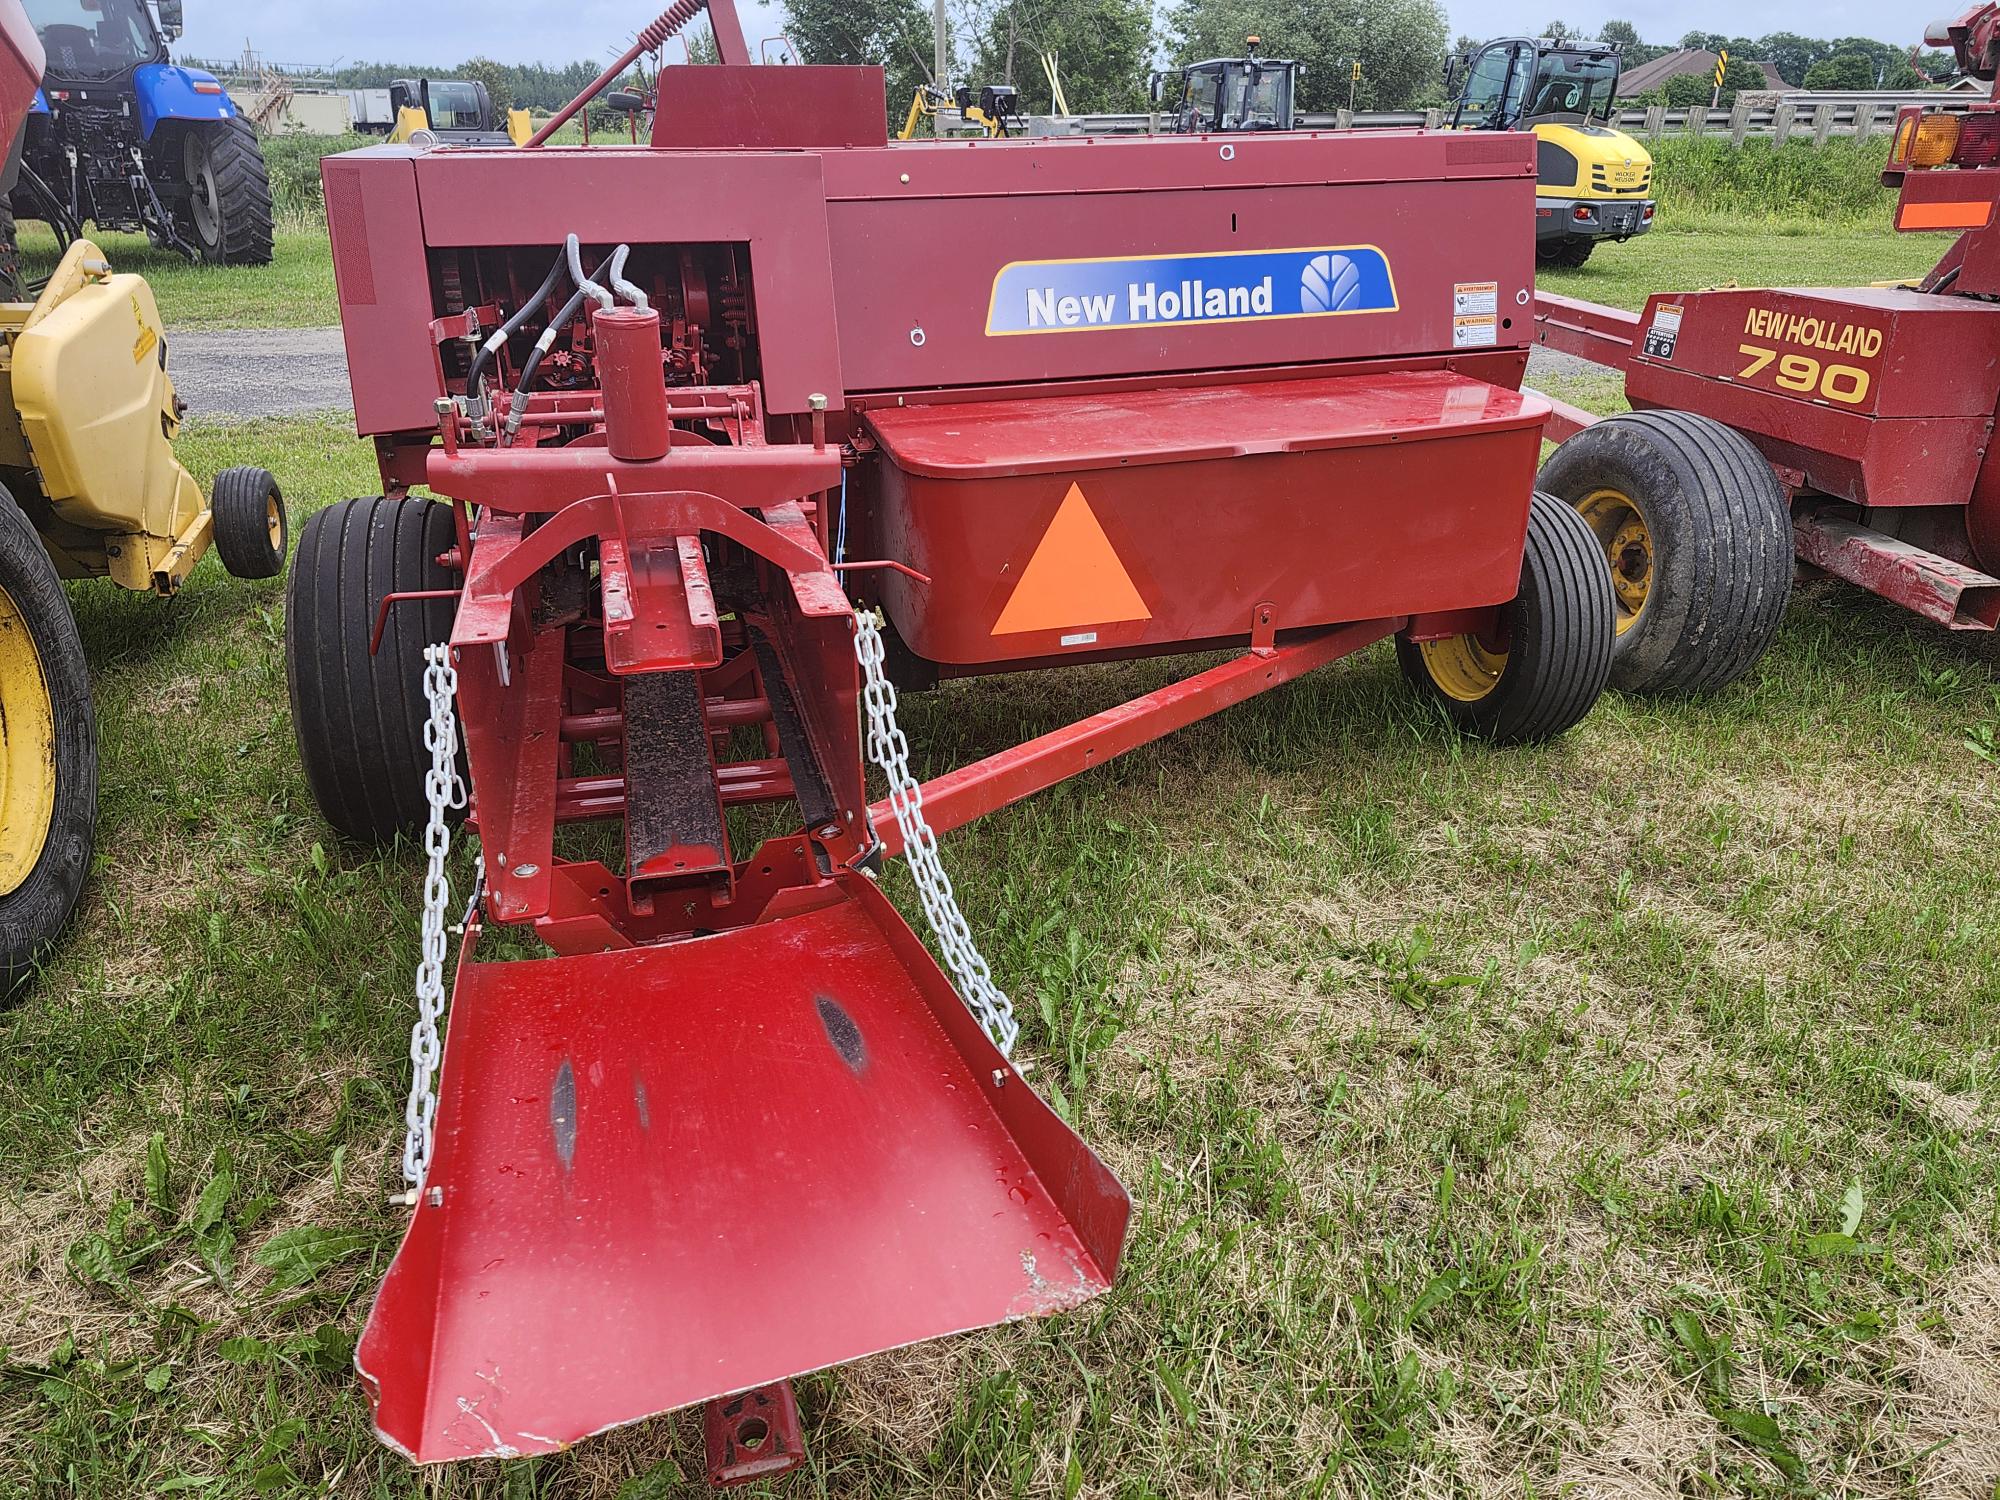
<point>1245,286</point>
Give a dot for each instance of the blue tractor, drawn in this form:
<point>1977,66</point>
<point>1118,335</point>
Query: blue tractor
<point>123,138</point>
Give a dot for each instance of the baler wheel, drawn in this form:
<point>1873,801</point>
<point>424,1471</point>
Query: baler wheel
<point>1698,533</point>
<point>359,719</point>
<point>48,752</point>
<point>1549,662</point>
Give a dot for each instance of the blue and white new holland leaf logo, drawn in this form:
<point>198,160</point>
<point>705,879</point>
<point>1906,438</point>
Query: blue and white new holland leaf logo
<point>1082,296</point>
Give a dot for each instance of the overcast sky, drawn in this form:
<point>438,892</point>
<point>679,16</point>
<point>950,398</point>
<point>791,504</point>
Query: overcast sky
<point>557,31</point>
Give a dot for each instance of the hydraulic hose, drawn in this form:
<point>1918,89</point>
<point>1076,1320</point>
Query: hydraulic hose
<point>588,284</point>
<point>630,291</point>
<point>554,331</point>
<point>475,378</point>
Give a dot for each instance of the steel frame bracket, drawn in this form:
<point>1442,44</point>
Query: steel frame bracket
<point>1264,629</point>
<point>753,1436</point>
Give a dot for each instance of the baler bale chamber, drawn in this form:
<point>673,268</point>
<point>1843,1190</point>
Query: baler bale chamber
<point>693,412</point>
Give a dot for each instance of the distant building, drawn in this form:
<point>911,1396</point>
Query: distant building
<point>301,111</point>
<point>1653,75</point>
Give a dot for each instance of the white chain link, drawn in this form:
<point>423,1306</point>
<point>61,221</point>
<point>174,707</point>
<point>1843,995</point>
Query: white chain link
<point>444,790</point>
<point>890,750</point>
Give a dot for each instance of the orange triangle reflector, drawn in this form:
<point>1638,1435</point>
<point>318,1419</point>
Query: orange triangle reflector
<point>1074,578</point>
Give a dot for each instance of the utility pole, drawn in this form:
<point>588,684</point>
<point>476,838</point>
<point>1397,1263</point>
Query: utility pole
<point>1009,79</point>
<point>939,76</point>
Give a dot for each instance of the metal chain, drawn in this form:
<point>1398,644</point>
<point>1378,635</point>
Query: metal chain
<point>890,750</point>
<point>444,790</point>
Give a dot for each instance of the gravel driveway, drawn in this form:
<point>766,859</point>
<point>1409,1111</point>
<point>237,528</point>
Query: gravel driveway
<point>232,374</point>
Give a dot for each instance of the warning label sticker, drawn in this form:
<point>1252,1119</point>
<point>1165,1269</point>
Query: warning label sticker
<point>1475,332</point>
<point>1475,298</point>
<point>1663,334</point>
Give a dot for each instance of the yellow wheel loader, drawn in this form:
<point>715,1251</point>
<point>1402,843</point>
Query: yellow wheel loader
<point>89,488</point>
<point>1593,183</point>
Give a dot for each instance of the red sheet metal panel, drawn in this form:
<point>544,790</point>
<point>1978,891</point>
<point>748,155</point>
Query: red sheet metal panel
<point>1138,221</point>
<point>381,274</point>
<point>1093,523</point>
<point>1880,351</point>
<point>757,108</point>
<point>1069,434</point>
<point>679,1172</point>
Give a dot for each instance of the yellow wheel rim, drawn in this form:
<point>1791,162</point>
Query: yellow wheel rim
<point>27,750</point>
<point>1628,548</point>
<point>1462,667</point>
<point>274,522</point>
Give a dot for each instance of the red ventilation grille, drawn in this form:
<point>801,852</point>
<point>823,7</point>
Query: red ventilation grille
<point>347,223</point>
<point>1485,151</point>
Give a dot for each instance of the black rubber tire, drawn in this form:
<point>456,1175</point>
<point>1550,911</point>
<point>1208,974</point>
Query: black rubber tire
<point>246,502</point>
<point>243,235</point>
<point>1559,628</point>
<point>12,288</point>
<point>359,719</point>
<point>1568,253</point>
<point>1721,534</point>
<point>34,913</point>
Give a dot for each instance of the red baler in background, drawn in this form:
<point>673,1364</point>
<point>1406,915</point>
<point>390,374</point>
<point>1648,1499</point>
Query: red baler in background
<point>1869,412</point>
<point>688,408</point>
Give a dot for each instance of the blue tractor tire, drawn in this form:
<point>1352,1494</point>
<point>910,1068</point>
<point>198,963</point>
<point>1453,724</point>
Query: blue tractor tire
<point>229,202</point>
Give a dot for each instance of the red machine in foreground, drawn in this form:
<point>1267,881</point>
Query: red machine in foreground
<point>688,407</point>
<point>1855,425</point>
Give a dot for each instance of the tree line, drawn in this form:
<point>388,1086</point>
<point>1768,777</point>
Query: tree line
<point>1104,51</point>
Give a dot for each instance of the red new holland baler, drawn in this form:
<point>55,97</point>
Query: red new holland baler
<point>694,412</point>
<point>1851,425</point>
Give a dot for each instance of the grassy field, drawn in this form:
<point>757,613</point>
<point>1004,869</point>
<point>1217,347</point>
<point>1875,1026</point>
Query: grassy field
<point>294,291</point>
<point>1609,1118</point>
<point>1669,259</point>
